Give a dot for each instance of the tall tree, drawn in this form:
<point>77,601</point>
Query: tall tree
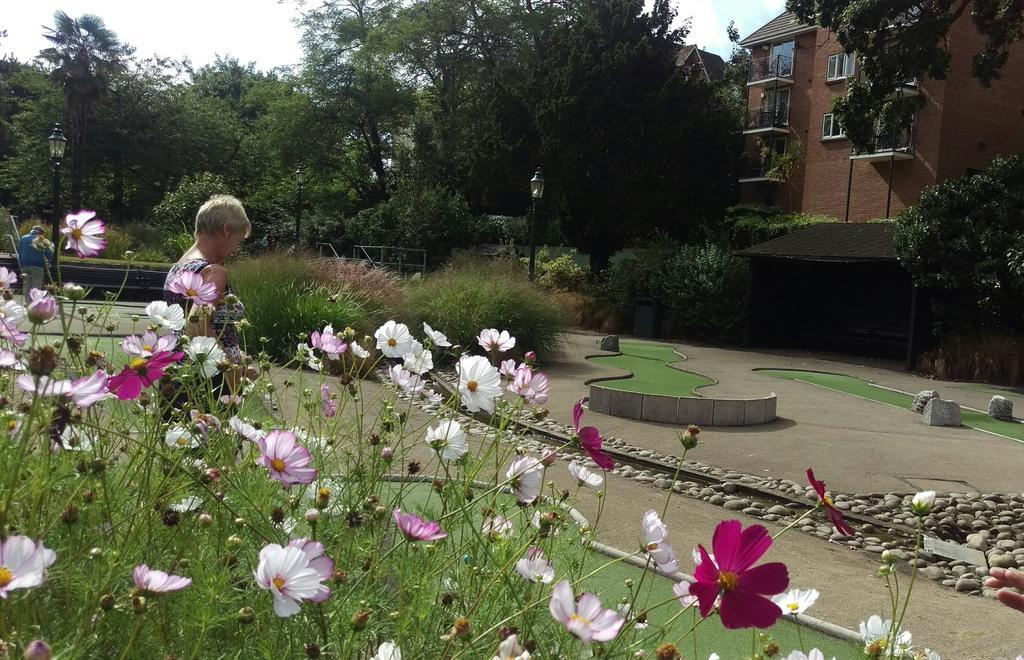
<point>85,55</point>
<point>900,40</point>
<point>631,143</point>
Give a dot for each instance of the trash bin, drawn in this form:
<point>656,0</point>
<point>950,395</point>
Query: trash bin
<point>647,318</point>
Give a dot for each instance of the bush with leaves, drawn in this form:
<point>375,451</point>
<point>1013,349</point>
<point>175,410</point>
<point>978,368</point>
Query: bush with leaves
<point>179,206</point>
<point>703,289</point>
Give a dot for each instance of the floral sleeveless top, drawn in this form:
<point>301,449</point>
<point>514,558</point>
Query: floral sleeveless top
<point>224,316</point>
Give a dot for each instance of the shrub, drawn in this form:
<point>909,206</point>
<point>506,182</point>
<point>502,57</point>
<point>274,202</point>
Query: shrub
<point>991,357</point>
<point>469,295</point>
<point>284,301</point>
<point>703,289</point>
<point>560,273</point>
<point>745,225</point>
<point>179,206</point>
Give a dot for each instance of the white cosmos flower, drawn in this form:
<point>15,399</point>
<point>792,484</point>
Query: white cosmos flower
<point>304,353</point>
<point>393,339</point>
<point>188,504</point>
<point>407,382</point>
<point>655,534</point>
<point>287,574</point>
<point>815,654</point>
<point>439,338</point>
<point>535,567</point>
<point>181,438</point>
<point>207,353</point>
<point>245,429</point>
<point>875,629</point>
<point>683,595</point>
<point>448,440</point>
<point>623,610</point>
<point>10,359</point>
<point>585,476</point>
<point>388,651</point>
<point>923,501</point>
<point>167,316</point>
<point>479,383</point>
<point>795,601</point>
<point>509,649</point>
<point>358,350</point>
<point>497,527</point>
<point>148,344</point>
<point>76,438</point>
<point>418,360</point>
<point>491,340</point>
<point>527,476</point>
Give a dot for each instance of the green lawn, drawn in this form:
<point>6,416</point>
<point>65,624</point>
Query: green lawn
<point>865,389</point>
<point>648,363</point>
<point>610,585</point>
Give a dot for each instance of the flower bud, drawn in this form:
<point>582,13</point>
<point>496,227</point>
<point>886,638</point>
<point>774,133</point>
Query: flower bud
<point>37,649</point>
<point>139,604</point>
<point>890,556</point>
<point>548,456</point>
<point>360,618</point>
<point>311,516</point>
<point>312,651</point>
<point>96,553</point>
<point>530,357</point>
<point>235,540</point>
<point>246,615</point>
<point>387,453</point>
<point>107,602</point>
<point>323,497</point>
<point>72,291</point>
<point>922,502</point>
<point>205,519</point>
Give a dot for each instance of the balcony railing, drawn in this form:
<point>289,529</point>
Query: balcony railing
<point>888,143</point>
<point>770,68</point>
<point>754,171</point>
<point>767,118</point>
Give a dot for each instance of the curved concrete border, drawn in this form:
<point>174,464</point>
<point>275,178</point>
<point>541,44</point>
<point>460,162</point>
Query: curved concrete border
<point>682,410</point>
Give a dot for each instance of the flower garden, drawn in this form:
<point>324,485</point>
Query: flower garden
<point>318,510</point>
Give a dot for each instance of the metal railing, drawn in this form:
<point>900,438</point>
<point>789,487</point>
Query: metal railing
<point>754,170</point>
<point>888,140</point>
<point>401,260</point>
<point>768,117</point>
<point>777,66</point>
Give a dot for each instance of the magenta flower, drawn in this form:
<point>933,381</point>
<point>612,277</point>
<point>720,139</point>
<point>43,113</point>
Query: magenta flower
<point>531,385</point>
<point>318,560</point>
<point>732,575</point>
<point>329,343</point>
<point>833,513</point>
<point>84,231</point>
<point>140,373</point>
<point>89,389</point>
<point>416,528</point>
<point>157,582</point>
<point>41,307</point>
<point>195,288</point>
<point>287,461</point>
<point>590,438</point>
<point>328,406</point>
<point>7,279</point>
<point>587,618</point>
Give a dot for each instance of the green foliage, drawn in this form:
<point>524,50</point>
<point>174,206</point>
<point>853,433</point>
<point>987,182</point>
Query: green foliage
<point>470,295</point>
<point>989,356</point>
<point>560,273</point>
<point>178,208</point>
<point>746,225</point>
<point>284,302</point>
<point>900,41</point>
<point>958,243</point>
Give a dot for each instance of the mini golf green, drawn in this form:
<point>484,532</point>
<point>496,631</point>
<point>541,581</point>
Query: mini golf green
<point>867,390</point>
<point>649,364</point>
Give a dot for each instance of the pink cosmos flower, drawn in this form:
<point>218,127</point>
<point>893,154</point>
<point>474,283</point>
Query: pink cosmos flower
<point>318,561</point>
<point>287,574</point>
<point>584,476</point>
<point>590,438</point>
<point>88,390</point>
<point>84,231</point>
<point>11,314</point>
<point>526,475</point>
<point>328,406</point>
<point>23,563</point>
<point>41,307</point>
<point>531,385</point>
<point>157,582</point>
<point>833,513</point>
<point>417,529</point>
<point>148,345</point>
<point>681,590</point>
<point>287,461</point>
<point>140,373</point>
<point>195,288</point>
<point>245,429</point>
<point>44,385</point>
<point>408,382</point>
<point>535,567</point>
<point>496,527</point>
<point>732,575</point>
<point>7,279</point>
<point>587,619</point>
<point>493,341</point>
<point>329,343</point>
<point>10,360</point>
<point>655,543</point>
<point>507,368</point>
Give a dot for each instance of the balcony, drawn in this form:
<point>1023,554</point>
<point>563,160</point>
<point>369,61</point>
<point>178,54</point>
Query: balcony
<point>888,145</point>
<point>772,119</point>
<point>754,172</point>
<point>908,88</point>
<point>770,71</point>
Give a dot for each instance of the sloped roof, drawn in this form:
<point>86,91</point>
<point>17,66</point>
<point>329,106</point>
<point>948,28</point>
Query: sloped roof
<point>784,25</point>
<point>833,241</point>
<point>713,65</point>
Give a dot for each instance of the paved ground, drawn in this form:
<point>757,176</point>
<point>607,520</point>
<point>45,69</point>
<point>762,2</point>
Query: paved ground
<point>857,446</point>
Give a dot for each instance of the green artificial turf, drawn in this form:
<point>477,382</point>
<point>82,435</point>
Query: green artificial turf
<point>648,362</point>
<point>862,388</point>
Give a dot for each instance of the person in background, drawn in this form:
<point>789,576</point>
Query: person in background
<point>34,254</point>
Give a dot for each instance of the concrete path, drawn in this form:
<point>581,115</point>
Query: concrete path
<point>857,446</point>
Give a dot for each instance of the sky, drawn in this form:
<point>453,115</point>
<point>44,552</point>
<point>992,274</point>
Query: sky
<point>263,31</point>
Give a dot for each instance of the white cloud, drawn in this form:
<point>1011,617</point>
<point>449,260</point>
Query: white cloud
<point>711,17</point>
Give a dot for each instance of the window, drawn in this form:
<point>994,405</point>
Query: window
<point>830,127</point>
<point>841,66</point>
<point>776,106</point>
<point>782,58</point>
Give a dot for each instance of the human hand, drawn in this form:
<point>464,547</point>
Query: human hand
<point>1005,579</point>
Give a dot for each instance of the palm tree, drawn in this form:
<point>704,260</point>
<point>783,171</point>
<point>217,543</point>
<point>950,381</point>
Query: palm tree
<point>85,56</point>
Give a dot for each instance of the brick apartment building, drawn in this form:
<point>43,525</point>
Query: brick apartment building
<point>797,70</point>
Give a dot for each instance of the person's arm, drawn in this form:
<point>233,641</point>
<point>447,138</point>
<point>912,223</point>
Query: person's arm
<point>1005,580</point>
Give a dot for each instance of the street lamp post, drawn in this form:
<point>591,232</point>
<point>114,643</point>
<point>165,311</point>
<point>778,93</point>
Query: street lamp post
<point>57,143</point>
<point>536,193</point>
<point>300,179</point>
